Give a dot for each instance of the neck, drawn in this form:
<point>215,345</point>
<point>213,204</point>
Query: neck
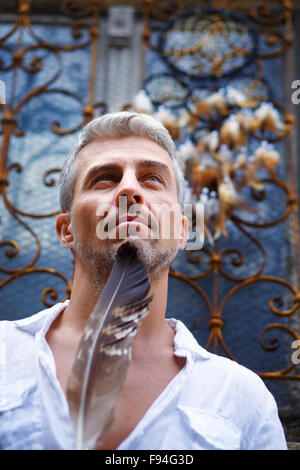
<point>153,329</point>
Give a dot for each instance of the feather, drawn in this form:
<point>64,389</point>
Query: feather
<point>203,174</point>
<point>169,120</point>
<point>209,142</point>
<point>212,104</point>
<point>141,103</point>
<point>104,351</point>
<point>269,117</point>
<point>231,132</point>
<point>267,156</point>
<point>185,152</point>
<point>235,97</point>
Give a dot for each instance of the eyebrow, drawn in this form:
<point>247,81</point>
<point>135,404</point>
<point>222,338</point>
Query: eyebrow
<point>141,164</point>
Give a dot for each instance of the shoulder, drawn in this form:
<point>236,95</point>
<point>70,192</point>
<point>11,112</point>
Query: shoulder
<point>18,340</point>
<point>228,393</point>
<point>32,323</point>
<point>233,385</point>
<point>218,371</point>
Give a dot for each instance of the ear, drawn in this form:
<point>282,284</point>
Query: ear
<point>64,230</point>
<point>184,232</point>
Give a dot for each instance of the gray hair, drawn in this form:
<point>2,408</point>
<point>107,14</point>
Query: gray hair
<point>122,124</point>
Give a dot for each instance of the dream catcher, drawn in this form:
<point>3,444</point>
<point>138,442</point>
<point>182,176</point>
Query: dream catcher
<point>218,110</point>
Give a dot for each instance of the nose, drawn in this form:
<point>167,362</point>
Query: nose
<point>129,192</point>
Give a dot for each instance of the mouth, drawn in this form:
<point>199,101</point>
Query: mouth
<point>131,225</point>
<point>131,220</point>
<point>142,224</point>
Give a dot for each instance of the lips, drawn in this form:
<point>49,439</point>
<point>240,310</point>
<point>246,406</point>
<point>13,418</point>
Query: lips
<point>131,218</point>
<point>118,220</point>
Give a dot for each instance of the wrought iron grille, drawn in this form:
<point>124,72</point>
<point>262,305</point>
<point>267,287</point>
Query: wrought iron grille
<point>239,294</point>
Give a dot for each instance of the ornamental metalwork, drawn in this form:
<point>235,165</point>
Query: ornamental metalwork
<point>19,59</point>
<point>210,90</point>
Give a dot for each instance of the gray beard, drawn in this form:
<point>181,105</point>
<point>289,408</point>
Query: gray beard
<point>100,263</point>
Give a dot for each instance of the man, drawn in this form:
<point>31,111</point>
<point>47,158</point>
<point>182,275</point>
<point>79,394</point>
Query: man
<point>176,395</point>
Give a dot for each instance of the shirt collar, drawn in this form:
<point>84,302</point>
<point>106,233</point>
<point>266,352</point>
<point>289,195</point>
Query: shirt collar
<point>41,320</point>
<point>184,341</point>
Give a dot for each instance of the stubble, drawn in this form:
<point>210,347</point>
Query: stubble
<point>100,261</point>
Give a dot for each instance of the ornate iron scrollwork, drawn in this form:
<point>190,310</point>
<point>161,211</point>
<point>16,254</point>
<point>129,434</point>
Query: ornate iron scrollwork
<point>205,52</point>
<point>28,59</point>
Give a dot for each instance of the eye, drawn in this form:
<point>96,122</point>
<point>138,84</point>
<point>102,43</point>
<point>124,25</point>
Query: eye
<point>153,178</point>
<point>105,177</point>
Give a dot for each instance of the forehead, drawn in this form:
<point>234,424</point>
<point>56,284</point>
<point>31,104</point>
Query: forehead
<point>122,150</point>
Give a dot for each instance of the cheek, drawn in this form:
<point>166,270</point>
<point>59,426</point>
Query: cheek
<point>84,215</point>
<point>169,217</point>
<point>170,227</point>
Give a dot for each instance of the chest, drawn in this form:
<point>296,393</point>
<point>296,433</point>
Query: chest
<point>142,386</point>
<point>146,379</point>
<point>139,392</point>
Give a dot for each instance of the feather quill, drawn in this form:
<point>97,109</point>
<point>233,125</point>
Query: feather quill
<point>104,351</point>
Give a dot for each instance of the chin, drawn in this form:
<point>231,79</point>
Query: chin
<point>138,242</point>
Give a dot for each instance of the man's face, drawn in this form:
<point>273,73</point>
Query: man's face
<point>123,190</point>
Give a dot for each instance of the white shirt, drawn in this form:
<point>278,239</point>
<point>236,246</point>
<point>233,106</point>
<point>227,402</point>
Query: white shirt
<point>212,403</point>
